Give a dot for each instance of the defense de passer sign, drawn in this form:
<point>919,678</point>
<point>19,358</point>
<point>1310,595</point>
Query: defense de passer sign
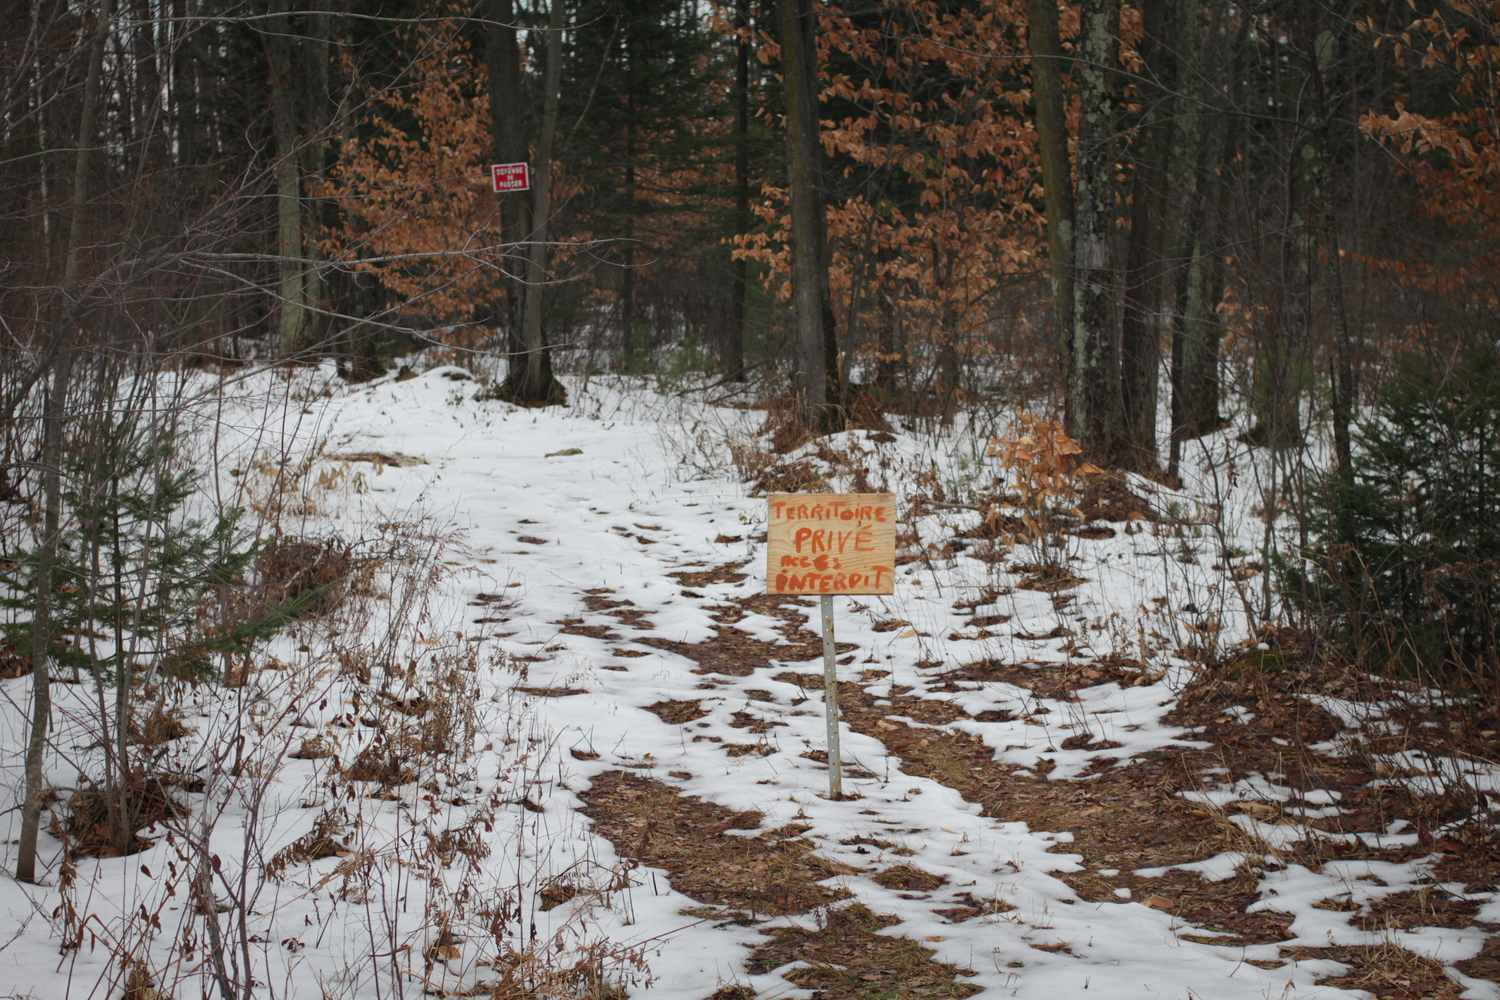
<point>510,177</point>
<point>831,543</point>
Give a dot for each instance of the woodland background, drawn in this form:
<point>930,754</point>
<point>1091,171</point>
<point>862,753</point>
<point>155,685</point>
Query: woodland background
<point>1125,213</point>
<point>1141,219</point>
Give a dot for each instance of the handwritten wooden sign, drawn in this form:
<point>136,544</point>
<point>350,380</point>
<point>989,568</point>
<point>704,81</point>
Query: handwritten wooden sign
<point>831,543</point>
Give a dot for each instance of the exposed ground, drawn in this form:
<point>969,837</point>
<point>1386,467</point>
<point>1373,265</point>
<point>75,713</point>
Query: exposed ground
<point>573,749</point>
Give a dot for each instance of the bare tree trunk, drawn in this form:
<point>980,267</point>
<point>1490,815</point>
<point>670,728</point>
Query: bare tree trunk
<point>183,92</point>
<point>42,624</point>
<point>1281,371</point>
<point>1198,331</point>
<point>816,383</point>
<point>507,129</point>
<point>1199,183</point>
<point>55,413</point>
<point>1319,45</point>
<point>317,125</point>
<point>1140,322</point>
<point>1057,171</point>
<point>1094,378</point>
<point>628,333</point>
<point>293,322</point>
<point>532,381</point>
<point>147,81</point>
<point>739,269</point>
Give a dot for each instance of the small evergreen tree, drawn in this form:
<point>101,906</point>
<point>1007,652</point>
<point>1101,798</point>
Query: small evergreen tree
<point>132,575</point>
<point>1404,563</point>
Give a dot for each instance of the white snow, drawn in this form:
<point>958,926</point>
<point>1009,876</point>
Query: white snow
<point>644,497</point>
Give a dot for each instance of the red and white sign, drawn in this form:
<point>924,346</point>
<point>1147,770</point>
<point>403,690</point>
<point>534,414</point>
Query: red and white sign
<point>511,177</point>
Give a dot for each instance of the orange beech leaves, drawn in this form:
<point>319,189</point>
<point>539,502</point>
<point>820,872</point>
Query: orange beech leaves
<point>1044,460</point>
<point>961,151</point>
<point>1455,158</point>
<point>417,203</point>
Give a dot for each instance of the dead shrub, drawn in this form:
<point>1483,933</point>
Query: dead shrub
<point>312,748</point>
<point>602,971</point>
<point>138,982</point>
<point>310,575</point>
<point>147,802</point>
<point>862,409</point>
<point>157,727</point>
<point>12,663</point>
<point>790,477</point>
<point>385,761</point>
<point>322,841</point>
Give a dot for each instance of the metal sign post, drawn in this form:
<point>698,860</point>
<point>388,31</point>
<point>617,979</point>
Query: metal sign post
<point>827,544</point>
<point>831,702</point>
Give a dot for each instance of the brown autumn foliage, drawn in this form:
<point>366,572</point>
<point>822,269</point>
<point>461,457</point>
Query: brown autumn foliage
<point>1454,158</point>
<point>950,220</point>
<point>417,208</point>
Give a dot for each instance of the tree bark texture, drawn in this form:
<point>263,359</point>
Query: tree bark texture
<point>508,133</point>
<point>280,56</point>
<point>1140,321</point>
<point>734,356</point>
<point>816,382</point>
<point>1197,330</point>
<point>1093,416</point>
<point>1057,171</point>
<point>1204,148</point>
<point>531,371</point>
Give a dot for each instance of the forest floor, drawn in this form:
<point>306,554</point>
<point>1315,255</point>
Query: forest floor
<point>1072,765</point>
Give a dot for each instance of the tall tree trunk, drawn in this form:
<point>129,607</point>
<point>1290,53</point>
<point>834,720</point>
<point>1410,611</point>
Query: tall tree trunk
<point>1281,368</point>
<point>1140,322</point>
<point>531,380</point>
<point>890,351</point>
<point>739,269</point>
<point>1094,378</point>
<point>1057,170</point>
<point>184,88</point>
<point>508,133</point>
<point>1200,164</point>
<point>317,124</point>
<point>147,81</point>
<point>280,56</point>
<point>1197,330</point>
<point>1319,47</point>
<point>816,383</point>
<point>43,627</point>
<point>629,338</point>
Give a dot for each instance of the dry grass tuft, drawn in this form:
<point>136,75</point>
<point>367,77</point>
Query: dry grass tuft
<point>1387,972</point>
<point>678,712</point>
<point>326,839</point>
<point>910,878</point>
<point>847,959</point>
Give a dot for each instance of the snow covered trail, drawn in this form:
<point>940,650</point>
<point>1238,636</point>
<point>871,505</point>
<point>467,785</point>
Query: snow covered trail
<point>608,567</point>
<point>563,507</point>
